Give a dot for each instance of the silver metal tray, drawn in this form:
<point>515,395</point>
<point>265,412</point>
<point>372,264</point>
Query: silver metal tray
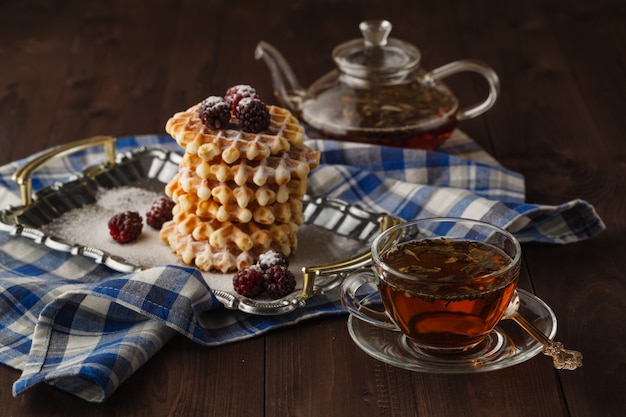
<point>334,238</point>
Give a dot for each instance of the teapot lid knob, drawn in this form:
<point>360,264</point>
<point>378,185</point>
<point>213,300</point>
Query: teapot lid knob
<point>376,56</point>
<point>375,32</point>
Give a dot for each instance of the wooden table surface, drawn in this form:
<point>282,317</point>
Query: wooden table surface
<point>72,69</point>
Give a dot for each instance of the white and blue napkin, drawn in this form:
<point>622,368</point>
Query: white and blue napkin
<point>85,329</point>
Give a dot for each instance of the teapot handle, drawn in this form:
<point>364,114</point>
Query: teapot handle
<point>477,67</point>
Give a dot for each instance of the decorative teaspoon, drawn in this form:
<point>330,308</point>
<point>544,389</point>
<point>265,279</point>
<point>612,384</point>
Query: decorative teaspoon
<point>561,358</point>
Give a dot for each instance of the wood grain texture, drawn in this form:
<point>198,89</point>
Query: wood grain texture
<point>72,69</point>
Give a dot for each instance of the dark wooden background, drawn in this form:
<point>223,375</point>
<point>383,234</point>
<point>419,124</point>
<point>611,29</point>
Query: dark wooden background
<point>72,69</point>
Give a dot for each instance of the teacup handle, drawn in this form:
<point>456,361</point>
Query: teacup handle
<point>479,68</point>
<point>351,286</point>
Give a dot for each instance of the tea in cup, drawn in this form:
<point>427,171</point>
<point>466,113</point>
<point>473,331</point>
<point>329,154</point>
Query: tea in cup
<point>444,282</point>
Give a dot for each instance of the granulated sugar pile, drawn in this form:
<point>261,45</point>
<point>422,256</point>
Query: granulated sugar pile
<point>88,226</point>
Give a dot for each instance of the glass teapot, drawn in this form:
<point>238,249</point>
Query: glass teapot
<point>378,93</point>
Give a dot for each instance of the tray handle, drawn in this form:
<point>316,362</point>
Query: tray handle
<point>310,273</point>
<point>22,176</point>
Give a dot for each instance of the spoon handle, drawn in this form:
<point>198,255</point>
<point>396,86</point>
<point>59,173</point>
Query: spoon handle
<point>561,358</point>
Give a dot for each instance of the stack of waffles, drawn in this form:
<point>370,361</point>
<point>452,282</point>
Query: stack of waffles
<point>236,194</point>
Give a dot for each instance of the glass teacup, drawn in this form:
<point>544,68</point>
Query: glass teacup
<point>444,282</point>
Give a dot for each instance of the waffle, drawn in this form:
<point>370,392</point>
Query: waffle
<point>226,246</point>
<point>289,211</point>
<point>233,144</point>
<point>244,235</point>
<point>202,255</point>
<point>186,181</point>
<point>281,168</point>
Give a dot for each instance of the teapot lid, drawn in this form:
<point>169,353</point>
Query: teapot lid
<point>376,55</point>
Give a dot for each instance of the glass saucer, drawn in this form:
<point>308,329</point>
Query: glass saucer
<point>506,346</point>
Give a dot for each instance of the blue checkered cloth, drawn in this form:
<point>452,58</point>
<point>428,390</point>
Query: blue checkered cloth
<point>85,329</point>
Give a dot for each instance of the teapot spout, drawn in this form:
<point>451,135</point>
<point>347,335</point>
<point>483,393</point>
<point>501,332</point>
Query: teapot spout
<point>287,89</point>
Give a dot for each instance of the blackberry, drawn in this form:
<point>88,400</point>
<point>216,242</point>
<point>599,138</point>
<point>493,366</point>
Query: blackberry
<point>159,212</point>
<point>253,115</point>
<point>248,281</point>
<point>279,281</point>
<point>125,227</point>
<point>271,258</point>
<point>214,112</point>
<point>238,92</point>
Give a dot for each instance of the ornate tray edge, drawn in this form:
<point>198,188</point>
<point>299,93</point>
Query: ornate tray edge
<point>157,164</point>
